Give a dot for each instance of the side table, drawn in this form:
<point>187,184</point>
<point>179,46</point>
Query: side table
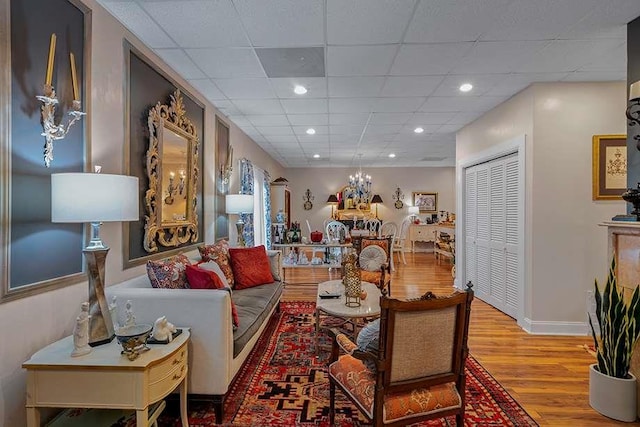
<point>105,378</point>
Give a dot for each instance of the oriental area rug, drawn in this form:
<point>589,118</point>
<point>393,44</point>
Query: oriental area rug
<point>283,383</point>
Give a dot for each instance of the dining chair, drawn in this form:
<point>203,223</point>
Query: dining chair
<point>399,244</point>
<point>387,229</point>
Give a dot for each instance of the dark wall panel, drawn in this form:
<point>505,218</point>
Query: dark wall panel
<point>633,75</point>
<point>32,233</point>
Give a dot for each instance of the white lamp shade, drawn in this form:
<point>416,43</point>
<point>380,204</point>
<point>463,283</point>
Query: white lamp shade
<point>239,203</point>
<point>93,197</point>
<point>414,210</point>
<point>634,91</point>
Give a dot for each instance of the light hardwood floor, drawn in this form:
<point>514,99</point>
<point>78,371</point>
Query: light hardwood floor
<point>547,375</point>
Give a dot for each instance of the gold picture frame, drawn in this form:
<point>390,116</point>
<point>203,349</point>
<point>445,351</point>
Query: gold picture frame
<point>609,167</point>
<point>426,202</point>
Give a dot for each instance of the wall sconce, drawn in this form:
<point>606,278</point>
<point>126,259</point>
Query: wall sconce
<point>172,189</point>
<point>398,196</point>
<point>227,167</point>
<point>332,200</point>
<point>308,198</point>
<point>375,200</point>
<point>51,131</point>
<point>633,111</point>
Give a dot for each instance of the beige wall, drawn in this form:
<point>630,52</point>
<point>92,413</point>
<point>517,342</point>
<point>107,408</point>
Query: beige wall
<point>324,181</point>
<point>565,249</point>
<point>31,323</point>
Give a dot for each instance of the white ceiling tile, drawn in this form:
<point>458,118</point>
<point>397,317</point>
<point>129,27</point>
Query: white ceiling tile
<point>283,139</point>
<point>389,118</point>
<point>342,139</point>
<point>316,87</point>
<point>207,88</point>
<point>410,85</point>
<point>274,130</point>
<point>227,62</point>
<point>304,106</point>
<point>350,105</point>
<point>367,21</point>
<point>430,118</point>
<point>199,23</point>
<point>354,87</point>
<point>446,21</point>
<point>227,107</point>
<point>398,105</point>
<point>409,129</point>
<point>460,103</point>
<point>465,117</point>
<point>608,19</point>
<point>245,88</point>
<point>425,59</point>
<point>308,119</point>
<point>537,20</point>
<point>240,120</point>
<point>132,16</point>
<point>482,83</point>
<point>259,106</point>
<point>497,56</point>
<point>566,55</point>
<point>515,82</point>
<point>179,61</point>
<point>595,76</point>
<point>382,129</point>
<point>311,140</point>
<point>248,129</point>
<point>359,60</point>
<point>346,130</point>
<point>302,130</point>
<point>450,128</point>
<point>268,120</point>
<point>282,23</point>
<point>612,60</point>
<point>348,118</point>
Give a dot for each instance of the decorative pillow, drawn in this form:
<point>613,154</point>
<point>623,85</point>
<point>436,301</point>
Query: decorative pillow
<point>202,278</point>
<point>250,267</point>
<point>274,263</point>
<point>372,258</point>
<point>369,340</point>
<point>383,243</point>
<point>213,267</point>
<point>220,254</point>
<point>168,273</point>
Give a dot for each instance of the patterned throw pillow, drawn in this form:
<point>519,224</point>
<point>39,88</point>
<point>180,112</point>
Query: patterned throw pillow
<point>168,273</point>
<point>383,243</point>
<point>219,253</point>
<point>250,267</point>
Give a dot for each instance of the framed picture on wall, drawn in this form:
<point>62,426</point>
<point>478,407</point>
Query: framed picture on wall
<point>426,202</point>
<point>609,167</point>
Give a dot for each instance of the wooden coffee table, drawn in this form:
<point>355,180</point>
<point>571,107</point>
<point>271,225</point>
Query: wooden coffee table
<point>336,308</point>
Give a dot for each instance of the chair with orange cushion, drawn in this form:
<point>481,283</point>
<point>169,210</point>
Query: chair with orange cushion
<point>374,263</point>
<point>417,372</point>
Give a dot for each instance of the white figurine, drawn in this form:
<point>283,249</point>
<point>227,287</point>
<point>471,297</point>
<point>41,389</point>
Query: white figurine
<point>81,332</point>
<point>113,311</point>
<point>163,330</point>
<point>131,318</point>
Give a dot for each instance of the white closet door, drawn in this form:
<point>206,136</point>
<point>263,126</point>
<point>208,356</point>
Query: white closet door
<point>491,220</point>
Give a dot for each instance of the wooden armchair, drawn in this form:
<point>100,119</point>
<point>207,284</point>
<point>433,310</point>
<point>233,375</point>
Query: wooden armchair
<point>374,261</point>
<point>419,371</point>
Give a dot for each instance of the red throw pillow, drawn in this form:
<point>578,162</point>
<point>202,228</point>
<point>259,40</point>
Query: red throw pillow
<point>250,267</point>
<point>200,278</point>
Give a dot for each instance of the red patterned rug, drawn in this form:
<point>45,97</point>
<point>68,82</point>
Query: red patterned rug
<point>283,383</point>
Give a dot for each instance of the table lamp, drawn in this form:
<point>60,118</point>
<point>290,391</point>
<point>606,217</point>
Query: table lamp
<point>332,200</point>
<point>95,198</point>
<point>239,204</point>
<point>375,200</point>
<point>414,211</point>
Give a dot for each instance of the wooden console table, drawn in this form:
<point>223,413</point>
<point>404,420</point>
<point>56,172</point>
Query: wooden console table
<point>106,379</point>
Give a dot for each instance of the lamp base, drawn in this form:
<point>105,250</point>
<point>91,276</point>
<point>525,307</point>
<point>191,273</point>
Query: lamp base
<point>100,324</point>
<point>240,230</point>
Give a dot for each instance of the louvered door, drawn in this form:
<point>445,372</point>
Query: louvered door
<point>491,232</point>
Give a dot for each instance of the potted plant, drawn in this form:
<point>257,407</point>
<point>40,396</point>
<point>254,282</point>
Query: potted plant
<point>612,388</point>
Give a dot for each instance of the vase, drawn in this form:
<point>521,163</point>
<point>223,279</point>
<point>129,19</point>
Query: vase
<point>612,397</point>
<point>352,281</point>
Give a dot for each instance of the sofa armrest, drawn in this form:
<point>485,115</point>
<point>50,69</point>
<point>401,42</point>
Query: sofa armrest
<point>206,311</point>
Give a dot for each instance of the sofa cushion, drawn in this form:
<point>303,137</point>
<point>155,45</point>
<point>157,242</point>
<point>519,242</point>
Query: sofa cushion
<point>250,267</point>
<point>274,263</point>
<point>200,277</point>
<point>168,273</point>
<point>219,253</point>
<point>254,305</point>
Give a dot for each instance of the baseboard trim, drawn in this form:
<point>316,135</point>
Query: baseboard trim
<point>555,328</point>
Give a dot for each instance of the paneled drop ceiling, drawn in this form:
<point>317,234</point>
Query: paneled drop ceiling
<point>375,70</point>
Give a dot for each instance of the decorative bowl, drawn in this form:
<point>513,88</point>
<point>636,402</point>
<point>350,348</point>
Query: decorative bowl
<point>133,339</point>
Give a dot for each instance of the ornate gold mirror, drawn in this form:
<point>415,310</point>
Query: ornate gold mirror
<point>172,169</point>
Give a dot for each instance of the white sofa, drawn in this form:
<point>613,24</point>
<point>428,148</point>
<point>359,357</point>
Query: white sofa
<point>216,352</point>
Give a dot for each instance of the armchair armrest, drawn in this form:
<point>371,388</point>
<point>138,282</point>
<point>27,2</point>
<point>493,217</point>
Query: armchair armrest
<point>341,341</point>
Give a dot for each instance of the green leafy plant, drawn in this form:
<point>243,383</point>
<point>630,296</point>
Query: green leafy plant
<point>619,327</point>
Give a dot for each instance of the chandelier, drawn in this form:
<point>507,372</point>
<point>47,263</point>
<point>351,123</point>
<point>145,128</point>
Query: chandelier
<point>360,187</point>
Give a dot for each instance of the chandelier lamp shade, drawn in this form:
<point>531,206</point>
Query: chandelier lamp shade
<point>633,110</point>
<point>332,200</point>
<point>95,198</point>
<point>239,204</point>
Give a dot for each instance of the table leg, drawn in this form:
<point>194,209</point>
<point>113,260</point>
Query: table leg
<point>183,403</point>
<point>33,417</point>
<point>317,331</point>
<point>142,417</point>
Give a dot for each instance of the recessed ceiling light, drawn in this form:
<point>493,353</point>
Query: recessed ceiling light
<point>311,131</point>
<point>316,156</point>
<point>300,90</point>
<point>392,155</point>
<point>418,130</point>
<point>466,87</point>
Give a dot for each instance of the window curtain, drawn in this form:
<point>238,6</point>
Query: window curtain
<point>259,229</point>
<point>246,187</point>
<point>266,179</point>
